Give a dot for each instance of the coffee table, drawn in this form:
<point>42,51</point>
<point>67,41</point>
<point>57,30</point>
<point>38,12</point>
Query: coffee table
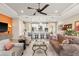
<point>41,46</point>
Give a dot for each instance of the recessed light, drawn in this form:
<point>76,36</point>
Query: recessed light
<point>22,11</point>
<point>56,11</point>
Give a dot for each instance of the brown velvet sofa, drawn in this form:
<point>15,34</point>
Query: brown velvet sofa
<point>65,49</point>
<point>56,43</point>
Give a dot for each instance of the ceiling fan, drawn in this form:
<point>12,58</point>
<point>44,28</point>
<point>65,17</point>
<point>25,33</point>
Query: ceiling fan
<point>39,10</point>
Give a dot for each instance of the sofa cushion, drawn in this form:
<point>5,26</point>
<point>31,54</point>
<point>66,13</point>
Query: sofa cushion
<point>55,43</point>
<point>60,38</point>
<point>53,37</point>
<point>75,41</point>
<point>2,43</point>
<point>69,50</point>
<point>66,41</point>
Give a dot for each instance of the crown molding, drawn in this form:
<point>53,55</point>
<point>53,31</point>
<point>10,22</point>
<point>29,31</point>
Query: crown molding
<point>70,11</point>
<point>69,8</point>
<point>5,6</point>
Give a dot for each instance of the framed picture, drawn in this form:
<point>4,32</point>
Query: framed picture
<point>67,26</point>
<point>77,26</point>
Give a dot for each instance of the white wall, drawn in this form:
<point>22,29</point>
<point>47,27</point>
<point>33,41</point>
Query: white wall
<point>40,18</point>
<point>30,19</point>
<point>71,20</point>
<point>52,27</point>
<point>18,28</point>
<point>21,27</point>
<point>28,26</point>
<point>15,28</point>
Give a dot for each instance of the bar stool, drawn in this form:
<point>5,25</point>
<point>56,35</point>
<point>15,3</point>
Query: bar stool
<point>33,36</point>
<point>42,36</point>
<point>47,36</point>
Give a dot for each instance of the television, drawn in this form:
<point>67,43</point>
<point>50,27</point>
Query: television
<point>3,27</point>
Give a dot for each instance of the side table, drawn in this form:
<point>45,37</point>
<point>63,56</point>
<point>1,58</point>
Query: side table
<point>23,41</point>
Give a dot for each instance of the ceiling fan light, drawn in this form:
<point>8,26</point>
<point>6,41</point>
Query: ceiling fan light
<point>22,11</point>
<point>56,11</point>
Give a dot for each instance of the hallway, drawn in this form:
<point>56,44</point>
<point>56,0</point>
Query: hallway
<point>29,51</point>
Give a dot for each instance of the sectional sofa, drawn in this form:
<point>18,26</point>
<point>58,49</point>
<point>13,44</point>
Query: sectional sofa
<point>70,48</point>
<point>16,50</point>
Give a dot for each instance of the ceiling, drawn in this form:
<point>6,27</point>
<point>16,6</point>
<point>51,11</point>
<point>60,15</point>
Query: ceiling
<point>52,9</point>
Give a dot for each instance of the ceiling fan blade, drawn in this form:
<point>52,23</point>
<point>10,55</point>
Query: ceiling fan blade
<point>29,8</point>
<point>42,13</point>
<point>44,7</point>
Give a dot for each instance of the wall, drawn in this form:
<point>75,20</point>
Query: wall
<point>6,19</point>
<point>52,27</point>
<point>18,28</point>
<point>30,19</point>
<point>21,27</point>
<point>40,18</point>
<point>28,26</point>
<point>15,28</point>
<point>71,20</point>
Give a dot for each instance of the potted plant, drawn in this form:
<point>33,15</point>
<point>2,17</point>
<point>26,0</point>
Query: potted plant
<point>70,32</point>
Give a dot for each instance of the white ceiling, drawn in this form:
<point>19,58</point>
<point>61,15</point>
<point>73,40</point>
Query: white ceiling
<point>65,10</point>
<point>50,10</point>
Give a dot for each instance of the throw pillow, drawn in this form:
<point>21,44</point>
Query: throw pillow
<point>8,46</point>
<point>66,41</point>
